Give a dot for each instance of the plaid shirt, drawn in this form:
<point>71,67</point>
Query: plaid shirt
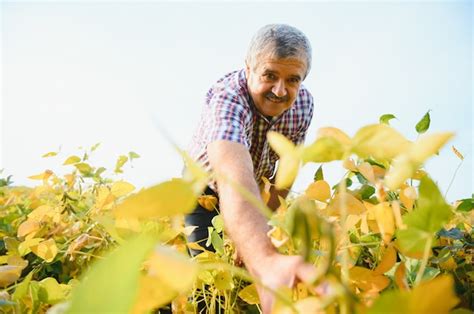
<point>229,114</point>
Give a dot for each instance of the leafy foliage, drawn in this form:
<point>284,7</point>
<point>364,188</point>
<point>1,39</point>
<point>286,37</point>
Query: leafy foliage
<point>382,238</point>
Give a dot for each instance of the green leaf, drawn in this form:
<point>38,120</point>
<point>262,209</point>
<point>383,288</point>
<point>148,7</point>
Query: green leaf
<point>324,149</point>
<point>429,217</point>
<point>120,163</point>
<point>432,211</point>
<point>94,147</point>
<point>218,223</point>
<point>99,171</point>
<point>466,205</point>
<point>72,160</point>
<point>217,242</point>
<point>84,168</point>
<point>133,155</point>
<point>50,154</point>
<point>22,288</point>
<point>361,178</point>
<point>51,292</point>
<point>348,184</point>
<point>423,125</point>
<point>319,174</point>
<point>111,285</point>
<point>386,118</point>
<point>366,191</point>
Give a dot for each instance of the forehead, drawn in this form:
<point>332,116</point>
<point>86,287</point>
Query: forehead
<point>287,66</point>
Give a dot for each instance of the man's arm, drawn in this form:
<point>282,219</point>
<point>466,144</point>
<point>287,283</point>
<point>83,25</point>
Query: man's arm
<point>247,227</point>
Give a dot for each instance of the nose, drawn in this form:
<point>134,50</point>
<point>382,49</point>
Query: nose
<point>279,88</point>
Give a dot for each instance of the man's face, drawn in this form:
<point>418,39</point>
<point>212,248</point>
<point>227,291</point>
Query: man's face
<point>274,83</point>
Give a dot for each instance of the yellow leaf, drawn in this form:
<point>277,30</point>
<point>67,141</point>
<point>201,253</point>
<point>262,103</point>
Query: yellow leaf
<point>400,277</point>
<point>9,274</point>
<point>172,268</point>
<point>319,190</point>
<point>379,172</point>
<point>351,221</point>
<point>47,250</point>
<point>405,164</point>
<point>434,296</point>
<point>187,231</point>
<point>367,280</point>
<point>280,144</point>
<point>131,224</point>
<point>335,133</point>
<point>104,198</point>
<point>152,293</point>
<point>42,176</point>
<point>265,190</point>
<point>364,227</point>
<point>70,178</point>
<point>367,171</point>
<point>408,197</point>
<point>458,154</point>
<point>385,221</point>
<point>428,145</point>
<point>419,174</point>
<point>15,260</point>
<point>349,165</point>
<point>209,202</point>
<point>277,236</point>
<point>195,246</point>
<point>41,212</point>
<point>223,280</point>
<point>194,173</point>
<point>165,199</point>
<point>72,160</point>
<point>249,294</point>
<point>353,205</point>
<point>121,188</point>
<point>288,167</point>
<point>25,246</point>
<point>28,227</point>
<point>449,264</point>
<point>388,260</point>
<point>379,141</point>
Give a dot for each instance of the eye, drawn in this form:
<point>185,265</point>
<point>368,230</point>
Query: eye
<point>294,80</point>
<point>269,76</point>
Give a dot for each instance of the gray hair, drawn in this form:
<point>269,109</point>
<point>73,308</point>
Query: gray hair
<point>282,41</point>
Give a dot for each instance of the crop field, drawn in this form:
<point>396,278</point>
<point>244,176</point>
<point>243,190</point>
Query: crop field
<point>382,240</point>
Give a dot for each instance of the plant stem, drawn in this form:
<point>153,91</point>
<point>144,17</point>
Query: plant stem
<point>424,261</point>
<point>452,179</point>
<point>345,254</point>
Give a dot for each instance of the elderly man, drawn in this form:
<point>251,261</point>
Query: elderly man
<point>231,139</point>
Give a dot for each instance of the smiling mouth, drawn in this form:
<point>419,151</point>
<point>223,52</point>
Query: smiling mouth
<point>276,100</point>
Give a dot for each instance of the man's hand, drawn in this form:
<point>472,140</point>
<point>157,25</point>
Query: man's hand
<point>281,271</point>
<point>248,228</point>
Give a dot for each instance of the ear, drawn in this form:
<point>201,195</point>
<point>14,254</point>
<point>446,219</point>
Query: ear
<point>247,68</point>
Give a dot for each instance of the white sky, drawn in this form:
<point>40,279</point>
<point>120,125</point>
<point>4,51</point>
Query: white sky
<point>78,73</point>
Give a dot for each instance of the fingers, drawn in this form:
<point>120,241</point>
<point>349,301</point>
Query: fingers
<point>306,273</point>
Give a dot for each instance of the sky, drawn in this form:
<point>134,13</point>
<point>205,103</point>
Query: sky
<point>75,73</point>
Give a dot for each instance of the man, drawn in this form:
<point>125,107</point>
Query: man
<point>231,140</point>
